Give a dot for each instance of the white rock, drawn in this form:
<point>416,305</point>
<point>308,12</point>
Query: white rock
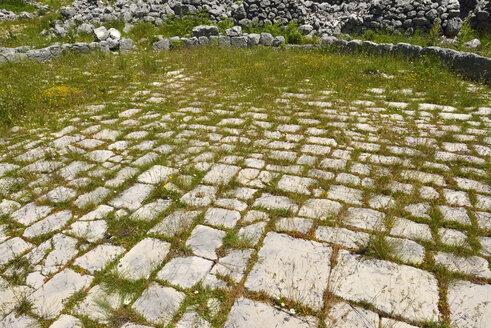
<point>157,174</point>
<point>272,202</point>
<point>252,233</point>
<point>294,224</point>
<point>365,218</point>
<point>291,183</point>
<point>151,211</point>
<point>192,320</point>
<point>92,231</point>
<point>221,174</point>
<point>345,194</point>
<point>342,236</point>
<point>21,321</point>
<point>93,197</point>
<point>61,195</point>
<point>200,196</point>
<point>30,213</point>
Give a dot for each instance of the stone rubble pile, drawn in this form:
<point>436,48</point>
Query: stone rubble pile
<point>208,34</point>
<point>481,15</point>
<point>322,16</point>
<point>6,15</point>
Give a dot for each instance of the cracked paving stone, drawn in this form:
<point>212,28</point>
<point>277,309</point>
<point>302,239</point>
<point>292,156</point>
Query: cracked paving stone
<point>319,208</point>
<point>13,320</point>
<point>61,195</point>
<point>143,259</point>
<point>345,194</point>
<point>98,304</point>
<point>158,304</point>
<point>342,236</point>
<point>294,225</point>
<point>397,289</point>
<point>344,315</point>
<point>272,202</point>
<point>472,265</point>
<point>364,218</point>
<point>30,213</point>
<point>93,197</point>
<point>252,233</point>
<point>293,268</point>
<point>185,272</point>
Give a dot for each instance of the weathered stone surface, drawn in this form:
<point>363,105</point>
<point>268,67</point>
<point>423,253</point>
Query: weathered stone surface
<point>185,272</point>
<point>99,257</point>
<point>293,268</point>
<point>158,304</point>
<point>48,300</point>
<point>246,313</point>
<point>470,304</point>
<point>143,258</point>
<point>402,290</point>
<point>204,241</point>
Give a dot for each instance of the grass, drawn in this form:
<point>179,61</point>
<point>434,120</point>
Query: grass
<point>30,93</point>
<point>16,6</point>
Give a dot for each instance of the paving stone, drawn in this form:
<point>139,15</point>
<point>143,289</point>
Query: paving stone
<point>221,174</point>
<point>406,250</point>
<point>185,272</point>
<point>391,323</point>
<point>345,194</point>
<point>30,213</point>
<point>483,220</point>
<point>91,231</point>
<point>246,313</point>
<point>107,134</point>
<point>483,202</point>
<point>200,196</point>
<point>61,195</point>
<point>253,216</point>
<point>292,268</point>
<point>192,320</point>
<point>100,155</point>
<point>344,315</point>
<point>48,301</point>
<point>49,224</point>
<point>252,233</point>
<point>290,183</point>
<point>294,225</point>
<point>472,265</point>
<point>204,241</point>
<point>233,264</point>
<point>8,207</point>
<point>158,304</point>
<point>387,286</point>
<point>151,211</point>
<point>94,197</point>
<point>67,321</point>
<point>231,203</point>
<point>99,257</point>
<point>133,197</point>
<point>364,218</point>
<point>64,248</point>
<point>146,159</point>
<point>221,218</point>
<point>272,202</point>
<point>101,212</point>
<point>470,304</point>
<point>343,237</point>
<point>98,304</point>
<point>11,297</point>
<point>381,202</point>
<point>334,164</point>
<point>175,223</point>
<point>452,237</point>
<point>18,321</point>
<point>157,174</point>
<point>143,259</point>
<point>458,198</point>
<point>319,208</point>
<point>410,229</point>
<point>455,214</point>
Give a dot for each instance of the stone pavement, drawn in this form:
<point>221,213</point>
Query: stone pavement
<point>316,212</point>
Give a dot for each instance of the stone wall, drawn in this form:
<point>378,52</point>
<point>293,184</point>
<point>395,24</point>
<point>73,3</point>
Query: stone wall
<point>323,16</point>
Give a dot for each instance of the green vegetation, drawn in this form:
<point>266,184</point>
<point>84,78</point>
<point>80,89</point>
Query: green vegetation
<point>30,93</point>
<point>16,6</point>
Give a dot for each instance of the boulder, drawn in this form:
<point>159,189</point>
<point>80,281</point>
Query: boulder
<point>266,39</point>
<point>473,44</point>
<point>204,30</point>
<point>101,33</point>
<point>161,45</point>
<point>234,31</point>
